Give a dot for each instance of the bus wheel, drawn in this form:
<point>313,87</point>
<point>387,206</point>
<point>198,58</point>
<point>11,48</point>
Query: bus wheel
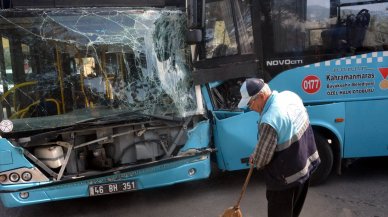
<point>326,156</point>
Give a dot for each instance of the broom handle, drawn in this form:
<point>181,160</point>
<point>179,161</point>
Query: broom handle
<point>245,185</point>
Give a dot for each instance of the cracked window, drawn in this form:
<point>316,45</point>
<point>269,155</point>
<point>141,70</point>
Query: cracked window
<point>64,66</point>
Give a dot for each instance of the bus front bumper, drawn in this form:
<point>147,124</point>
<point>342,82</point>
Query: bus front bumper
<point>150,175</point>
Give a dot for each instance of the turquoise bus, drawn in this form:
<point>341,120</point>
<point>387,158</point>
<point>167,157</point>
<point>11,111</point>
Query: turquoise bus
<point>105,97</point>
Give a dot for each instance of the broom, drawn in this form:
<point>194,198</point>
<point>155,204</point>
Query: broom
<point>235,211</point>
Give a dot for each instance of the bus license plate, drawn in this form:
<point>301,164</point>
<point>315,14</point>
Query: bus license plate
<point>111,188</point>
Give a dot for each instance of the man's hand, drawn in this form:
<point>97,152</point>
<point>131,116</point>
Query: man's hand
<point>251,159</point>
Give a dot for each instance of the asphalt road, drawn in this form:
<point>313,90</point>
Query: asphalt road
<point>361,191</point>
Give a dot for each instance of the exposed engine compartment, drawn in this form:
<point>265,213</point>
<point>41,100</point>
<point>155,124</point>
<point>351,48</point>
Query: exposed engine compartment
<point>226,95</point>
<point>90,148</point>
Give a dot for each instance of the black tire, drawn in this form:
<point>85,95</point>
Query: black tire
<point>326,155</point>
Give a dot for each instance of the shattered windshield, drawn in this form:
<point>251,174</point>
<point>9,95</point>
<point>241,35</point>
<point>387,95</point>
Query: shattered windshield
<point>59,67</point>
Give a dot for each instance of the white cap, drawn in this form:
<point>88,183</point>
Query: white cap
<point>249,88</point>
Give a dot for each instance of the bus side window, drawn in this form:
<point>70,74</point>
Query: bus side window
<point>376,33</point>
<point>228,28</point>
<point>360,29</point>
<point>323,30</point>
<point>220,39</point>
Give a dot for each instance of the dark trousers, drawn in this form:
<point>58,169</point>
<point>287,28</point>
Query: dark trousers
<point>287,203</point>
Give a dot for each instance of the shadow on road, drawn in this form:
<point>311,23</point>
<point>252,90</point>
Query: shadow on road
<point>200,198</point>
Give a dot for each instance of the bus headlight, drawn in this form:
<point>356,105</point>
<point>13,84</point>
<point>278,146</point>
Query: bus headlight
<point>3,178</point>
<point>14,177</point>
<point>26,176</point>
<point>22,175</point>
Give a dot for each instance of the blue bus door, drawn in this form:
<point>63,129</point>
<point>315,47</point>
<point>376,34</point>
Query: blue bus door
<point>235,137</point>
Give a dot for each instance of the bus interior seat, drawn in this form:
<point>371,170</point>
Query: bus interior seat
<point>347,34</point>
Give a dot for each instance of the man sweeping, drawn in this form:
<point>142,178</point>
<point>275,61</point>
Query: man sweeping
<point>286,149</point>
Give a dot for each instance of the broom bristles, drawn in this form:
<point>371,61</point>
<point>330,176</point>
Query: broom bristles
<point>232,211</point>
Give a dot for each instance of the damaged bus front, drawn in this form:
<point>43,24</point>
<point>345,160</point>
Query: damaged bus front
<point>97,101</point>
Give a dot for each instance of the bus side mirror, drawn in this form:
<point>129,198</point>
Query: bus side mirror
<point>193,36</point>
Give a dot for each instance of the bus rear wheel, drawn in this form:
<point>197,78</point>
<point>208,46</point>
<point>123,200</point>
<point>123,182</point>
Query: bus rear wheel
<point>326,155</point>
